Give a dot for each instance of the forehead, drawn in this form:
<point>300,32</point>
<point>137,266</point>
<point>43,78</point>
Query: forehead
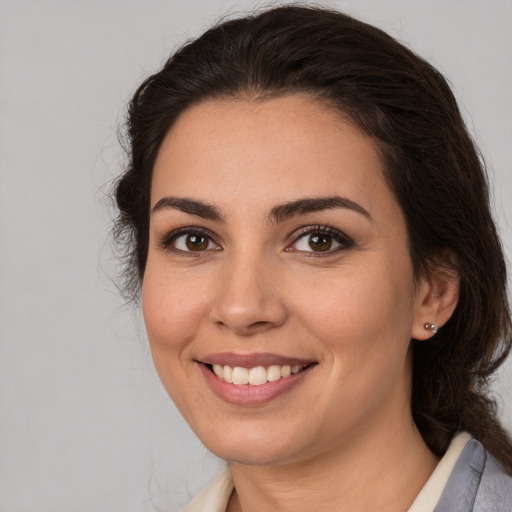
<point>265,152</point>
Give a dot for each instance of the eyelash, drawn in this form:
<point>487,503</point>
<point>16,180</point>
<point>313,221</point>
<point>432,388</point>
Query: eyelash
<point>336,235</point>
<point>167,241</point>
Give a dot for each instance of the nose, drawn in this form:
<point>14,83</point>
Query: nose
<point>249,298</point>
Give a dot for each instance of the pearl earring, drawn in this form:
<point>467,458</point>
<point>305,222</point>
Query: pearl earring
<point>431,327</point>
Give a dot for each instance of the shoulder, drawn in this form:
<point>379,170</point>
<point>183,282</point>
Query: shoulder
<point>478,483</point>
<point>495,487</point>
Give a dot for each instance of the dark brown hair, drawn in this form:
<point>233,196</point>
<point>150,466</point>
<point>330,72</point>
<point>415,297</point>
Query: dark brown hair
<point>431,165</point>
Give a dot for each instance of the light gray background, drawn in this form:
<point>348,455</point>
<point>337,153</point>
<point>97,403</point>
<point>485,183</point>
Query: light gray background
<point>84,422</point>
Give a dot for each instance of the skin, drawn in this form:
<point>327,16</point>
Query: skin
<point>343,438</point>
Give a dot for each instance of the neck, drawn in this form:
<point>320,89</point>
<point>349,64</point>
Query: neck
<point>376,470</point>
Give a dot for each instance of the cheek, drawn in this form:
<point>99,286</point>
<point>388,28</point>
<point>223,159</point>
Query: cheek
<point>362,323</point>
<point>366,314</point>
<point>172,309</point>
<point>173,313</point>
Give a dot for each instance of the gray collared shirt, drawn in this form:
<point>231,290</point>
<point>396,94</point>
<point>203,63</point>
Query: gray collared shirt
<point>477,483</point>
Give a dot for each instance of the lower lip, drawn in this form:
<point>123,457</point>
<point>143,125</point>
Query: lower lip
<point>247,394</point>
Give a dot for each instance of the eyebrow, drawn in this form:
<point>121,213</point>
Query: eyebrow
<point>190,206</point>
<point>278,213</point>
<point>285,211</point>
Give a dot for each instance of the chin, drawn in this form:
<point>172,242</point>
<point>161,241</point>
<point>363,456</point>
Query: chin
<point>253,448</point>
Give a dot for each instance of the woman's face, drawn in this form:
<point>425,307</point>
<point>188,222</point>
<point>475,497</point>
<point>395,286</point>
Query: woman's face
<point>275,242</point>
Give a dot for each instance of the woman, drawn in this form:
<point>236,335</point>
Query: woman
<point>322,283</point>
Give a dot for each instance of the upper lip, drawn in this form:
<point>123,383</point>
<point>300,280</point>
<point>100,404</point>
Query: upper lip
<point>253,360</point>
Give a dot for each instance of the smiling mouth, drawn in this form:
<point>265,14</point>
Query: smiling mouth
<point>253,379</point>
<point>256,376</point>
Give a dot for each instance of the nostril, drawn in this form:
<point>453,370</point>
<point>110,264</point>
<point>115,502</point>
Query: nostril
<point>251,328</point>
<point>257,325</point>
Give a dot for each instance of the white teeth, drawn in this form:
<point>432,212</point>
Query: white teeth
<point>218,370</point>
<point>228,374</point>
<point>254,376</point>
<point>257,376</point>
<point>274,373</point>
<point>286,371</point>
<point>240,375</point>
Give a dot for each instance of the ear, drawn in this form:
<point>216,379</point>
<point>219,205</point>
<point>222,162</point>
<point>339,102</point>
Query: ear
<point>437,295</point>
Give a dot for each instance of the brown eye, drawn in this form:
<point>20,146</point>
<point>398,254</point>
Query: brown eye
<point>320,242</point>
<point>321,239</point>
<point>196,242</point>
<point>191,241</point>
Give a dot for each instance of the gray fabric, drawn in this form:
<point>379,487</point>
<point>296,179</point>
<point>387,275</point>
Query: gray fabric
<point>477,484</point>
<point>495,488</point>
